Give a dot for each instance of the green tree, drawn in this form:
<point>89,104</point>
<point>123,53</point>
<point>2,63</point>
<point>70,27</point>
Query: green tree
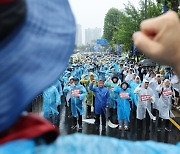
<point>171,4</point>
<point>130,20</point>
<point>111,23</point>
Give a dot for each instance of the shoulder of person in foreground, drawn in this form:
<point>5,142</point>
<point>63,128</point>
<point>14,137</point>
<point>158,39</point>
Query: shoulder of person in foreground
<point>79,143</point>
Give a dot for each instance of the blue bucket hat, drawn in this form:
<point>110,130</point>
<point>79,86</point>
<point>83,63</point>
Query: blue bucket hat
<point>34,55</point>
<point>76,79</point>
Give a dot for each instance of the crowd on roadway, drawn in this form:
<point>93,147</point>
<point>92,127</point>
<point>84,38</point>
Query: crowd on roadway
<point>123,88</point>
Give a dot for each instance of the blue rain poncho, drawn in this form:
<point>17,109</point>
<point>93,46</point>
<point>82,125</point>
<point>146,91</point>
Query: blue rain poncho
<point>110,85</point>
<point>79,144</point>
<point>65,78</point>
<point>116,67</point>
<point>123,103</point>
<point>59,89</point>
<point>51,99</point>
<point>76,73</point>
<point>102,72</point>
<point>133,85</point>
<point>102,97</point>
<point>76,103</point>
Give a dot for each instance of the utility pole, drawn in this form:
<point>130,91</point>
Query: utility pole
<point>145,11</point>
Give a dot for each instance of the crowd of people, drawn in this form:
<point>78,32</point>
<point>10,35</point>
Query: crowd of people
<point>35,51</point>
<point>113,89</point>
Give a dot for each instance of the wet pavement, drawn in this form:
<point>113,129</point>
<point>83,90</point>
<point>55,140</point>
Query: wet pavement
<point>65,124</point>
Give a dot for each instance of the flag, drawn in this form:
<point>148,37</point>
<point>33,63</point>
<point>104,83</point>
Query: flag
<point>119,49</point>
<point>164,7</point>
<point>96,48</point>
<point>134,48</point>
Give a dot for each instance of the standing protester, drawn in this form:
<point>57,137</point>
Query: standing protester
<point>133,85</point>
<point>146,97</point>
<point>153,83</point>
<point>102,97</point>
<point>129,76</point>
<point>78,93</point>
<point>67,94</point>
<point>165,103</point>
<point>90,95</point>
<point>51,99</point>
<point>31,76</point>
<point>110,83</point>
<point>123,105</point>
<point>58,86</point>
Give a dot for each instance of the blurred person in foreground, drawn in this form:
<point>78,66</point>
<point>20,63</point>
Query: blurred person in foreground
<point>159,39</point>
<point>28,43</point>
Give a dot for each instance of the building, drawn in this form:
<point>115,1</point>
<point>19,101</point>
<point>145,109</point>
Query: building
<point>78,35</point>
<point>92,34</point>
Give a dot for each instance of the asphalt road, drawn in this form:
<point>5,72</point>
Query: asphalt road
<point>65,123</point>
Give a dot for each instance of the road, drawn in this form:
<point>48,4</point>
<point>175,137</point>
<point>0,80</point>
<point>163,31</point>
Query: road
<point>65,124</point>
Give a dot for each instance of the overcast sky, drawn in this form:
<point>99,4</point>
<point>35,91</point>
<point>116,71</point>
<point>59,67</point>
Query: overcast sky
<point>91,13</point>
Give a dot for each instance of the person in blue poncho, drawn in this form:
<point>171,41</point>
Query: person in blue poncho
<point>110,84</point>
<point>123,105</point>
<point>102,72</point>
<point>66,90</point>
<point>133,85</point>
<point>66,77</point>
<point>101,101</point>
<point>77,94</point>
<point>51,99</point>
<point>58,86</point>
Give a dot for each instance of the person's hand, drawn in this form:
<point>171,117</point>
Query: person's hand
<point>112,88</point>
<point>67,83</point>
<point>162,82</point>
<point>159,39</point>
<point>109,78</point>
<point>94,81</point>
<point>76,95</point>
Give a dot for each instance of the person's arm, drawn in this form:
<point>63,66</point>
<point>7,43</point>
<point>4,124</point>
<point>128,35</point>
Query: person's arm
<point>107,83</point>
<point>60,88</point>
<point>159,39</point>
<point>84,93</point>
<point>137,90</point>
<point>58,100</point>
<point>116,89</point>
<point>84,81</point>
<point>92,88</point>
<point>108,98</point>
<point>66,89</point>
<point>159,88</point>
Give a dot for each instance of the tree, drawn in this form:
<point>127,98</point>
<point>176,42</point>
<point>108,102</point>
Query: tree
<point>130,20</point>
<point>111,23</point>
<point>171,4</point>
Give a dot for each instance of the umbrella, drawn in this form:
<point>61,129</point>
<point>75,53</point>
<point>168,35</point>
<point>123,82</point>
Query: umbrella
<point>122,58</point>
<point>147,62</point>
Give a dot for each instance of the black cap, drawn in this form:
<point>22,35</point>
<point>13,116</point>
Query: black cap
<point>75,79</point>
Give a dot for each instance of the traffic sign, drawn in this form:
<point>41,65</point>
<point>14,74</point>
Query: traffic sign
<point>102,41</point>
